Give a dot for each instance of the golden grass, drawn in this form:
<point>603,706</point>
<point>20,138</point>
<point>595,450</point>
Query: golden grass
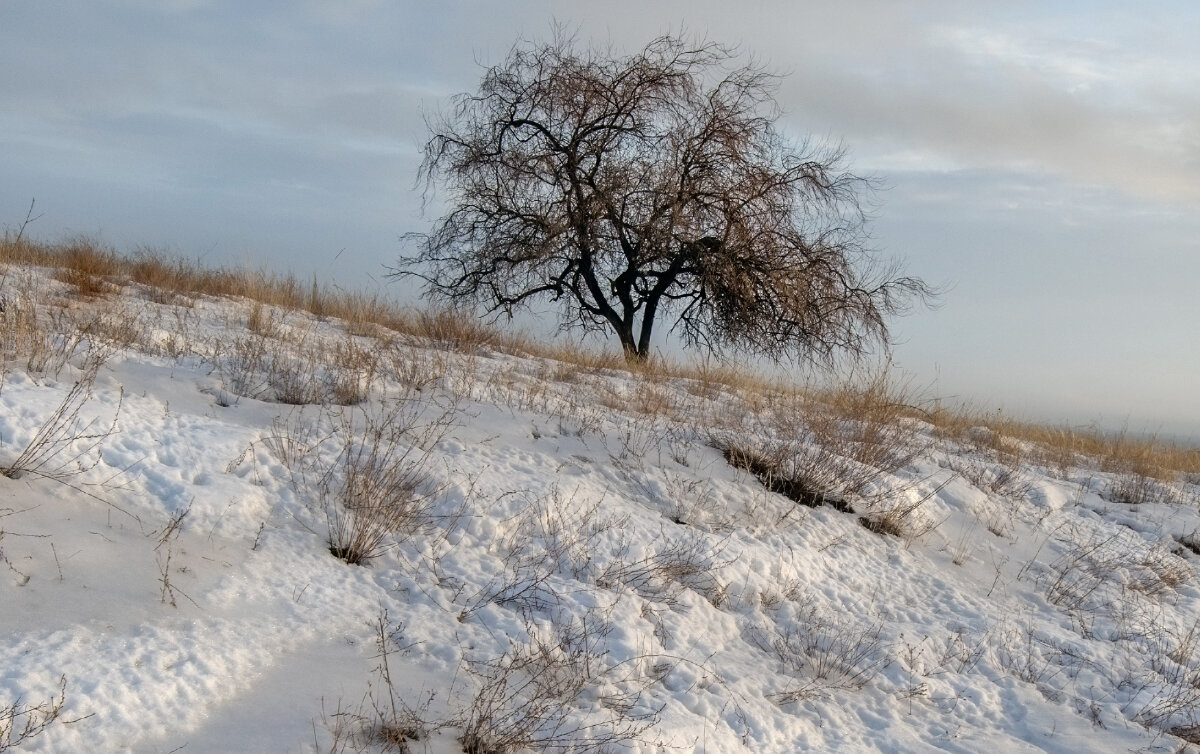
<point>1062,446</point>
<point>95,269</point>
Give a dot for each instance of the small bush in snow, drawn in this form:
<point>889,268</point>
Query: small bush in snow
<point>20,723</point>
<point>530,696</point>
<point>377,487</point>
<point>65,444</point>
<point>830,450</point>
<point>824,653</point>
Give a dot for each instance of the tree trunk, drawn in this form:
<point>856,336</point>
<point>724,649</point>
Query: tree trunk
<point>632,354</point>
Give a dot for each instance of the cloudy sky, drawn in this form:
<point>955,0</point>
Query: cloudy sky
<point>1042,160</point>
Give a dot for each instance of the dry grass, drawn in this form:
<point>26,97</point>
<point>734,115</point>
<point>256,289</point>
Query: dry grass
<point>832,448</point>
<point>66,445</point>
<point>824,652</point>
<point>366,471</point>
<point>21,335</point>
<point>533,696</point>
<point>1063,447</point>
<point>95,269</point>
<point>88,266</point>
<point>450,329</point>
<point>577,356</point>
<point>872,408</point>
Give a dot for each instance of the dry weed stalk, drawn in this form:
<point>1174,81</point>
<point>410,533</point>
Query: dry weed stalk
<point>1026,654</point>
<point>961,652</point>
<point>382,721</point>
<point>64,446</point>
<point>163,550</point>
<point>456,330</point>
<point>529,696</point>
<point>20,723</point>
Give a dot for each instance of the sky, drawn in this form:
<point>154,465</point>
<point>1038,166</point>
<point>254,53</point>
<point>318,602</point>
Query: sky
<point>1040,161</point>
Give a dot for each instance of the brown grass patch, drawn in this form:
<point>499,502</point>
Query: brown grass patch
<point>1063,447</point>
<point>860,417</point>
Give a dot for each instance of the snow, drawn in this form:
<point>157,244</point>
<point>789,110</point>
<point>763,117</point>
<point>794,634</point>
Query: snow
<point>575,531</point>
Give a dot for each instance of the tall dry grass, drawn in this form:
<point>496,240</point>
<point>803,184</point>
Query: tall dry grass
<point>1060,446</point>
<point>96,269</point>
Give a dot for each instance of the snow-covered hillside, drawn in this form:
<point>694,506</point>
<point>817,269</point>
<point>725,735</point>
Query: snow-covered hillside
<point>554,557</point>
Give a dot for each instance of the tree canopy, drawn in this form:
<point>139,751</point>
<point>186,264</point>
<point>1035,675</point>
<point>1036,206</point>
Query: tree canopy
<point>629,188</point>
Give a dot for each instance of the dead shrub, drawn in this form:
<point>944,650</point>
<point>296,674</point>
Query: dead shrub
<point>827,453</point>
<point>779,473</point>
<point>825,652</point>
<point>1095,569</point>
<point>368,473</point>
<point>690,561</point>
<point>900,515</point>
<point>380,490</point>
<point>20,723</point>
<point>529,697</point>
<point>65,445</point>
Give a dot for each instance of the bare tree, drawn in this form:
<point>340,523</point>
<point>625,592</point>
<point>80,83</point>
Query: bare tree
<point>628,188</point>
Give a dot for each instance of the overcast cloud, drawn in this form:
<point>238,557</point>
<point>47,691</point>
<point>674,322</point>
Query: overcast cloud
<point>1042,158</point>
